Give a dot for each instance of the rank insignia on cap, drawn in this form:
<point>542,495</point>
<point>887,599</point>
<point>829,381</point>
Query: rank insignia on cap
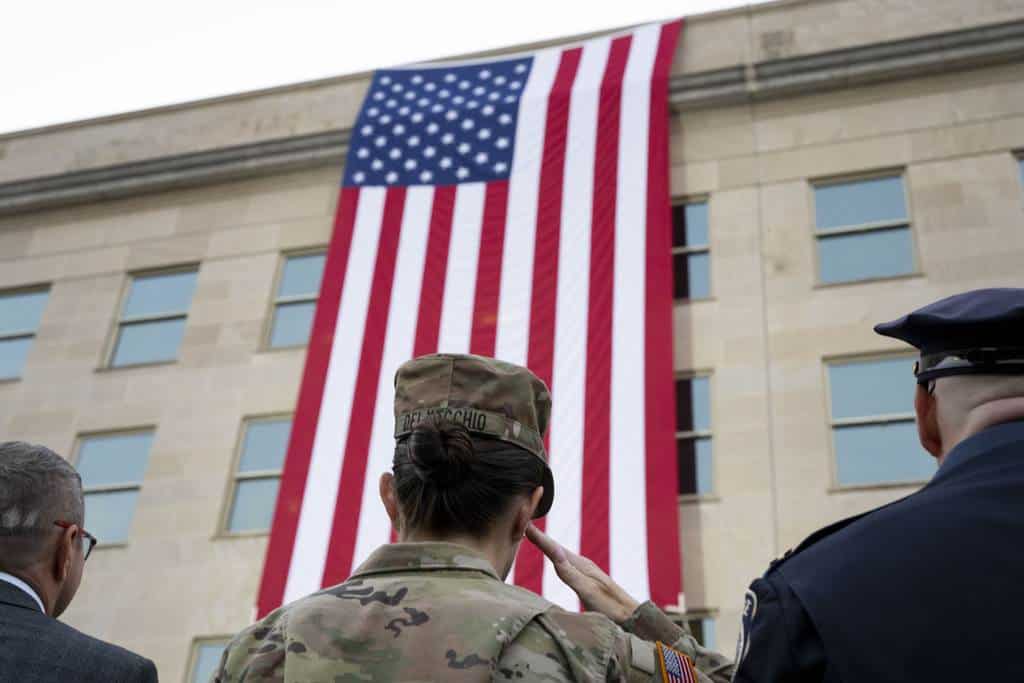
<point>675,666</point>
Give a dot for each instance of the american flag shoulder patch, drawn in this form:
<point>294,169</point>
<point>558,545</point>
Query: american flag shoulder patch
<point>675,666</point>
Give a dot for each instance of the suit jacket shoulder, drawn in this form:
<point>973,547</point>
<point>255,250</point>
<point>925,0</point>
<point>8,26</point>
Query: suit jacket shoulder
<point>40,649</point>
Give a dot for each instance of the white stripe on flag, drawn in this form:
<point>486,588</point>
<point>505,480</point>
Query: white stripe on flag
<point>627,504</point>
<point>374,527</point>
<point>569,374</point>
<point>321,490</point>
<point>514,297</point>
<point>460,279</point>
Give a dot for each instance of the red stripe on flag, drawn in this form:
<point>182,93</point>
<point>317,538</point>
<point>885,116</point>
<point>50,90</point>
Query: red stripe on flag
<point>488,270</point>
<point>663,556</point>
<point>307,412</point>
<point>595,538</point>
<point>353,473</point>
<point>540,356</point>
<point>435,268</point>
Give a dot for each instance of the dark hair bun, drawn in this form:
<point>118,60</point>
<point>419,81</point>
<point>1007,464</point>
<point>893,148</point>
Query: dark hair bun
<point>442,453</point>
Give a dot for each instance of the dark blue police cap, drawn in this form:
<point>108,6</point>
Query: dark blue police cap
<point>975,333</point>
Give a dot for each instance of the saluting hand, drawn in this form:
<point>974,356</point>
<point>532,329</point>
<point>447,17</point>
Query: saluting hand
<point>595,589</point>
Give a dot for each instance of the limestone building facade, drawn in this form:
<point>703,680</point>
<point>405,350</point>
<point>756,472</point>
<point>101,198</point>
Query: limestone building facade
<point>835,163</point>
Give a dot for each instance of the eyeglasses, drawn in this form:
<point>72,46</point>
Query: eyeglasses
<point>85,536</point>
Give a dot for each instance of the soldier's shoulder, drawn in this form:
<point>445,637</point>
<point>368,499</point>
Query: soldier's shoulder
<point>561,646</point>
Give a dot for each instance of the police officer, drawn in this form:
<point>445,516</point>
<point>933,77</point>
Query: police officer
<point>469,474</point>
<point>927,588</point>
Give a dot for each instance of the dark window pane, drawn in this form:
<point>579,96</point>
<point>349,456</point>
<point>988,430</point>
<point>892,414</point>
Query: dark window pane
<point>681,276</point>
<point>292,324</point>
<point>207,658</point>
<point>114,459</point>
<point>13,353</point>
<point>679,225</point>
<point>21,312</point>
<point>864,255</point>
<point>108,515</point>
<point>253,507</point>
<point>151,342</point>
<point>860,202</point>
<point>265,445</point>
<point>693,404</point>
<point>694,465</point>
<point>882,453</point>
<point>160,294</point>
<point>876,387</point>
<point>302,275</point>
<point>690,225</point>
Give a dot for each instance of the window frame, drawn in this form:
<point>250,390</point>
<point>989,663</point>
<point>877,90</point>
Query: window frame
<point>817,234</point>
<point>80,438</point>
<point>880,419</point>
<point>690,250</point>
<point>120,321</point>
<point>697,434</point>
<point>277,300</point>
<point>24,334</point>
<point>193,652</point>
<point>234,476</point>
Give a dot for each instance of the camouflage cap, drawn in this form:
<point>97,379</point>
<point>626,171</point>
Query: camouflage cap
<point>488,396</point>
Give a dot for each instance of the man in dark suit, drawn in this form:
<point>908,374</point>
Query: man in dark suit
<point>43,549</point>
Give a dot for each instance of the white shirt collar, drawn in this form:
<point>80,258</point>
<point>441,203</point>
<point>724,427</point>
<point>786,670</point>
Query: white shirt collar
<point>15,581</point>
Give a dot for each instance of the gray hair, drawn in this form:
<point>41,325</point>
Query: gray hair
<point>37,488</point>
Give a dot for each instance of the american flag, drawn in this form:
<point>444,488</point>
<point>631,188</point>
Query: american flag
<point>677,667</point>
<point>515,207</point>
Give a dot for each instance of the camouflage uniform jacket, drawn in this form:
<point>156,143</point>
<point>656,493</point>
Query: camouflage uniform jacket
<point>438,612</point>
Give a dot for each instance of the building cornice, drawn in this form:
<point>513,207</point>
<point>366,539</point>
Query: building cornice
<point>770,79</point>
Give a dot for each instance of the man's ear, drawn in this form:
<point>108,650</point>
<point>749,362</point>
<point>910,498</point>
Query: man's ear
<point>388,497</point>
<point>65,554</point>
<point>524,515</point>
<point>927,421</point>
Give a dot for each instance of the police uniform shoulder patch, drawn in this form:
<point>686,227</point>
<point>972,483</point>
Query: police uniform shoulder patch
<point>746,625</point>
<point>675,667</point>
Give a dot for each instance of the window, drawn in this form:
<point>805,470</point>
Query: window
<point>153,318</point>
<point>206,655</point>
<point>693,435</point>
<point>863,231</point>
<point>703,629</point>
<point>295,301</point>
<point>112,467</point>
<point>260,460</point>
<point>691,261</point>
<point>874,437</point>
<point>20,313</point>
<point>701,625</point>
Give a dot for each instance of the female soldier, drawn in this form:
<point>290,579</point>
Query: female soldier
<point>469,473</point>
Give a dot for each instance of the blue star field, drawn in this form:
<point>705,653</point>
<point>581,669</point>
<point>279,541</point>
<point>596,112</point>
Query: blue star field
<point>438,125</point>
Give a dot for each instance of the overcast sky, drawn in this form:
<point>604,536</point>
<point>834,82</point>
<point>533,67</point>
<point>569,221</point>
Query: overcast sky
<point>67,60</point>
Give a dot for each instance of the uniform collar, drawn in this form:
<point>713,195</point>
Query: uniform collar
<point>983,441</point>
<point>15,581</point>
<point>404,557</point>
